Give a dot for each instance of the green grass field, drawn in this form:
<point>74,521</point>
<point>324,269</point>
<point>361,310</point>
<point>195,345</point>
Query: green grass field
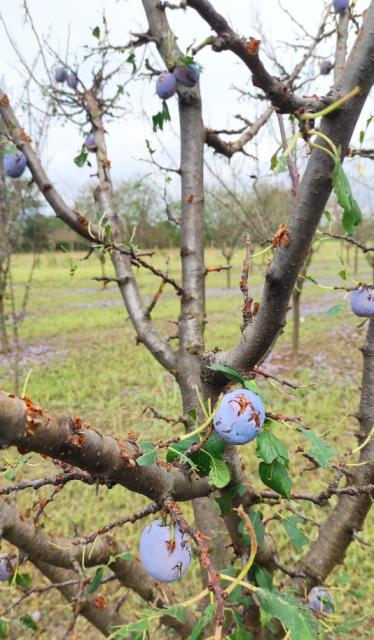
<point>78,348</point>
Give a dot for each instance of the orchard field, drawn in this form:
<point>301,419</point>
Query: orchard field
<point>79,356</point>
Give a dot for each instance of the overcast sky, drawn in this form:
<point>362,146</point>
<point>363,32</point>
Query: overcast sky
<point>126,135</point>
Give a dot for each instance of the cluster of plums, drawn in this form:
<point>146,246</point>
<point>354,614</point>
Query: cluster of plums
<point>63,75</point>
<point>362,302</point>
<point>187,75</point>
<point>7,566</point>
<point>340,5</point>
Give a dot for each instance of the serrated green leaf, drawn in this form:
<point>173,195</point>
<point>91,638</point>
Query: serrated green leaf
<point>219,474</point>
<point>201,460</point>
<point>199,627</point>
<point>28,622</point>
<point>269,447</point>
<point>81,159</point>
<point>4,629</point>
<point>149,456</point>
<point>231,374</point>
<point>321,451</point>
<point>96,581</point>
<point>296,535</point>
<point>23,580</point>
<point>295,617</point>
<point>276,477</point>
<point>177,612</point>
<point>336,309</point>
<point>263,577</point>
<point>225,501</point>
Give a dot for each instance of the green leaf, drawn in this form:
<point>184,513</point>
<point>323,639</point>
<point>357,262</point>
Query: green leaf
<point>96,581</point>
<point>259,529</point>
<point>225,501</point>
<point>296,535</point>
<point>140,628</point>
<point>206,617</point>
<point>201,460</point>
<point>310,278</point>
<point>131,59</point>
<point>336,309</point>
<point>81,159</point>
<point>149,456</point>
<point>269,447</point>
<point>276,477</point>
<point>263,577</point>
<point>252,385</point>
<point>161,117</point>
<point>96,32</point>
<point>343,274</point>
<point>299,620</point>
<point>240,632</point>
<point>3,629</point>
<point>23,580</point>
<point>29,623</point>
<point>177,612</point>
<point>281,166</point>
<point>125,555</point>
<point>10,475</point>
<point>328,215</point>
<point>352,215</point>
<point>320,450</point>
<point>231,374</point>
<point>219,474</point>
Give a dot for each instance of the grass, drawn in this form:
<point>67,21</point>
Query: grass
<point>77,340</point>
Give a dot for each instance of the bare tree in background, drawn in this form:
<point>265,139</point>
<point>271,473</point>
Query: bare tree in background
<point>84,454</point>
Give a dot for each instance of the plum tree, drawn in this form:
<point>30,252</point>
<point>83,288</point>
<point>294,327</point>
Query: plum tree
<point>362,302</point>
<point>166,85</point>
<point>165,551</point>
<point>14,164</point>
<point>187,74</point>
<point>240,416</point>
<point>194,475</point>
<point>321,600</point>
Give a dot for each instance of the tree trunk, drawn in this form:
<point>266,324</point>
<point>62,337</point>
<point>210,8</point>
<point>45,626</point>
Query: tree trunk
<point>228,272</point>
<point>296,294</point>
<point>4,342</point>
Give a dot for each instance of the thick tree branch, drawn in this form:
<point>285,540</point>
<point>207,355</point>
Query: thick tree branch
<point>104,457</point>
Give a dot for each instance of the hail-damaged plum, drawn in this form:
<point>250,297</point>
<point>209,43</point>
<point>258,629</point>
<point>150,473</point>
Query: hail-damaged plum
<point>240,416</point>
<point>7,566</point>
<point>166,85</point>
<point>14,164</point>
<point>340,5</point>
<point>61,74</point>
<point>90,143</point>
<point>187,75</point>
<point>362,302</point>
<point>321,600</point>
<point>165,551</point>
<point>325,67</point>
<point>72,80</point>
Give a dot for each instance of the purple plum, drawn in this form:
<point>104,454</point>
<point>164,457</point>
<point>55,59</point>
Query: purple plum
<point>72,80</point>
<point>14,164</point>
<point>325,67</point>
<point>60,74</point>
<point>187,75</point>
<point>362,302</point>
<point>163,559</point>
<point>321,600</point>
<point>90,143</point>
<point>340,5</point>
<point>240,416</point>
<point>7,566</point>
<point>166,86</point>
